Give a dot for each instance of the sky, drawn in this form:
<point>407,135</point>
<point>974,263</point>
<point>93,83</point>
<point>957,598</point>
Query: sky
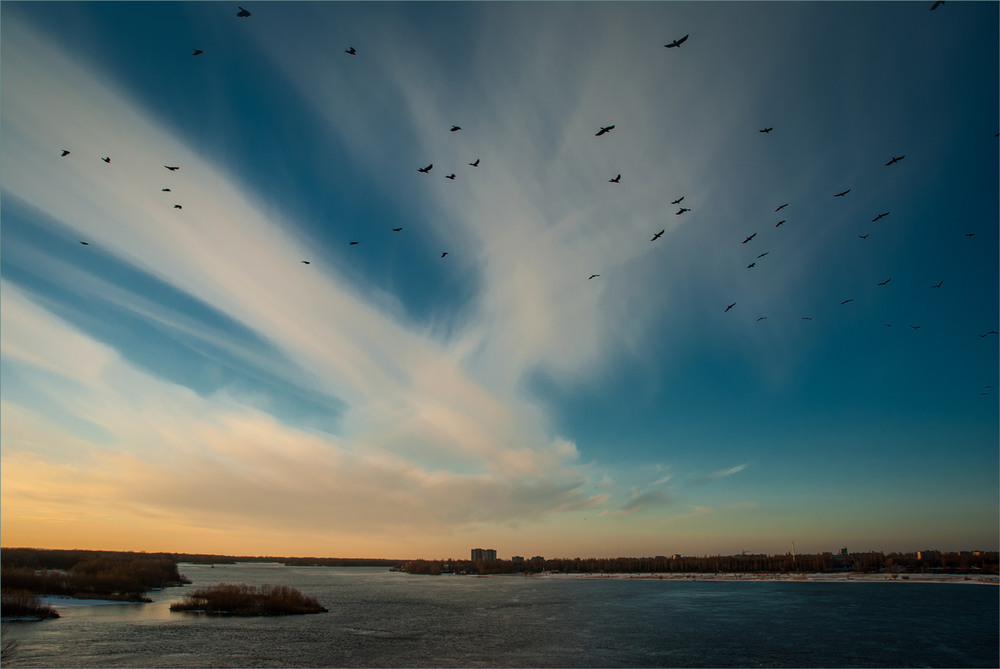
<point>220,368</point>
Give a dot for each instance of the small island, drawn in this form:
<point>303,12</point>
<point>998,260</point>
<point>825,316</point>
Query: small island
<point>247,600</point>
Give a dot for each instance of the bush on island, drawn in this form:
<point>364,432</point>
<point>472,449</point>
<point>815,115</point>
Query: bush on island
<point>248,600</point>
<point>24,605</point>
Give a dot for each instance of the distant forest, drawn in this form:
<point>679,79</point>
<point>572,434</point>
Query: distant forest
<point>966,562</point>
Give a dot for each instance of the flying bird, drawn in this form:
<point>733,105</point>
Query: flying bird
<point>604,130</point>
<point>197,52</point>
<point>763,254</point>
<point>475,164</point>
<point>766,130</point>
<point>778,224</point>
<point>751,265</point>
<point>843,193</point>
<point>677,42</point>
<point>863,236</point>
<point>617,179</point>
<point>761,318</point>
<point>657,235</point>
<point>880,216</point>
<point>165,190</point>
<point>937,4</point>
<point>305,262</point>
<point>397,229</point>
<point>353,243</point>
<point>172,169</point>
<point>749,238</point>
<point>107,159</point>
<point>351,51</point>
<point>970,234</point>
<point>782,207</point>
<point>915,327</point>
<point>806,318</point>
<point>64,153</point>
<point>455,128</point>
<point>729,307</point>
<point>450,176</point>
<point>678,200</point>
<point>593,276</point>
<point>894,160</point>
<point>242,13</point>
<point>850,299</point>
<point>884,282</point>
<point>427,169</point>
<point>681,211</point>
<point>88,244</point>
<point>177,206</point>
<point>938,284</point>
<point>444,253</point>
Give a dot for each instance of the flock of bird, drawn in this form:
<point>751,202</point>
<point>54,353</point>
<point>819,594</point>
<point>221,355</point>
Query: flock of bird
<point>603,131</point>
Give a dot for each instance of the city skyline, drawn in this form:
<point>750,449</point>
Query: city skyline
<point>398,279</point>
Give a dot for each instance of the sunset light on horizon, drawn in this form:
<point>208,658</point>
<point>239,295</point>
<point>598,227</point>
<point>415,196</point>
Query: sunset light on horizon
<point>650,298</point>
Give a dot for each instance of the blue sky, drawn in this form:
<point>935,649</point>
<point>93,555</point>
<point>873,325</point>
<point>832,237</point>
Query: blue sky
<point>185,382</point>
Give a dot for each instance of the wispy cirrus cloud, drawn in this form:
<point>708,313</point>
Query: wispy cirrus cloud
<point>722,473</point>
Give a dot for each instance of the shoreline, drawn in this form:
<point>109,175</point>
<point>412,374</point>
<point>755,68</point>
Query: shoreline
<point>840,577</point>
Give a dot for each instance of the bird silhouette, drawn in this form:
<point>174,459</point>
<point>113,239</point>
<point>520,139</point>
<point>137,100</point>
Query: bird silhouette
<point>806,318</point>
<point>450,176</point>
<point>766,130</point>
<point>678,200</point>
<point>915,327</point>
<point>729,307</point>
<point>242,13</point>
<point>617,179</point>
<point>351,51</point>
<point>165,190</point>
<point>751,265</point>
<point>749,238</point>
<point>894,160</point>
<point>444,253</point>
<point>761,318</point>
<point>427,169</point>
<point>970,234</point>
<point>863,236</point>
<point>657,235</point>
<point>782,207</point>
<point>88,244</point>
<point>455,128</point>
<point>604,130</point>
<point>880,216</point>
<point>475,164</point>
<point>305,262</point>
<point>353,243</point>
<point>937,4</point>
<point>681,211</point>
<point>64,153</point>
<point>778,224</point>
<point>938,284</point>
<point>884,282</point>
<point>177,206</point>
<point>677,42</point>
<point>196,52</point>
<point>843,193</point>
<point>172,169</point>
<point>593,276</point>
<point>763,254</point>
<point>107,159</point>
<point>987,334</point>
<point>850,299</point>
<point>397,229</point>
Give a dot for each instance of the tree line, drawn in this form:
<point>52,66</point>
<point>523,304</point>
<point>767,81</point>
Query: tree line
<point>984,562</point>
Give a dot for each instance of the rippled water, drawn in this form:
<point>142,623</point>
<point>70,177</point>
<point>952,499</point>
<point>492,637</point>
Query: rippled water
<point>379,618</point>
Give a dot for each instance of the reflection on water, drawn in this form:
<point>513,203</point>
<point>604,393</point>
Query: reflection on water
<point>388,619</point>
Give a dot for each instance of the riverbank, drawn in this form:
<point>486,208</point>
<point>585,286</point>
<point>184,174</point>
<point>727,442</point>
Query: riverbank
<point>834,577</point>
